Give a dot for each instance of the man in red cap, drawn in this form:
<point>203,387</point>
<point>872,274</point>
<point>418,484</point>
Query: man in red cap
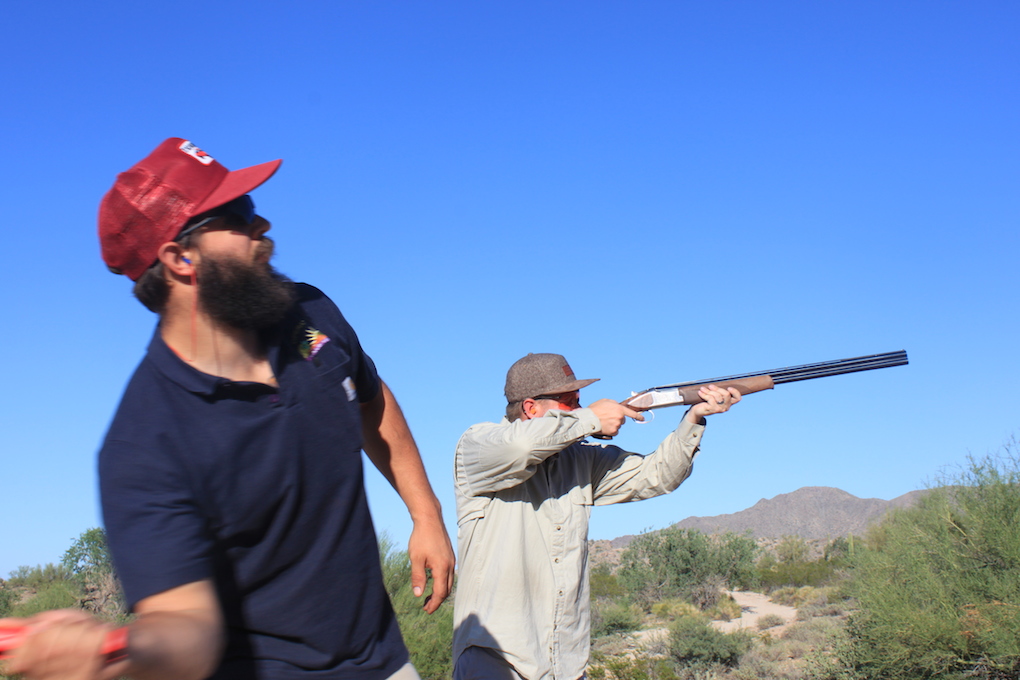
<point>525,488</point>
<point>231,475</point>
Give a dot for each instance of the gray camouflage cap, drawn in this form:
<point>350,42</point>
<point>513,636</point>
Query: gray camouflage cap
<point>538,374</point>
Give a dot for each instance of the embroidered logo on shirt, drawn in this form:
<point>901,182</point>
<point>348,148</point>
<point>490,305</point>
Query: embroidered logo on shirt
<point>314,341</point>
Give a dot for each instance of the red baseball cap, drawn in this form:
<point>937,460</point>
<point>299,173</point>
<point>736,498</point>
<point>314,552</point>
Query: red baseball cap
<point>150,203</point>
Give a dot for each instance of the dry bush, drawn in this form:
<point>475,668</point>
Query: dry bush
<point>770,621</point>
<point>817,610</point>
<point>756,666</point>
<point>609,646</point>
<point>725,609</point>
<point>815,632</point>
<point>672,609</point>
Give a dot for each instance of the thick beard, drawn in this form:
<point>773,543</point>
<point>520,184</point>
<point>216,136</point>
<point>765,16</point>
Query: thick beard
<point>244,296</point>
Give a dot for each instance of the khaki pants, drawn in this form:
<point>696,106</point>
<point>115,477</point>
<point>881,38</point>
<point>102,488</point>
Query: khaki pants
<point>406,672</point>
<point>479,663</point>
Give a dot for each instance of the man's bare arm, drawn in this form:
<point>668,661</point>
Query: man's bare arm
<point>391,448</point>
<point>177,635</point>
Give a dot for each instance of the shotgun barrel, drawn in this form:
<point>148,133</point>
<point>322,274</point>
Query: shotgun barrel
<point>687,392</point>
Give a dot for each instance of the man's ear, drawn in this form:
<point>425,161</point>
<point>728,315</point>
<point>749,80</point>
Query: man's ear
<point>528,409</point>
<point>175,259</point>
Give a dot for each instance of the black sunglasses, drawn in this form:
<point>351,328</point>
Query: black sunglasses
<point>241,209</point>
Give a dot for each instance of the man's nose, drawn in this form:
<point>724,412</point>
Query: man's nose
<point>259,226</point>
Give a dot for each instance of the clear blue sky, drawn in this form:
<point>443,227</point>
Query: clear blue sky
<point>661,191</point>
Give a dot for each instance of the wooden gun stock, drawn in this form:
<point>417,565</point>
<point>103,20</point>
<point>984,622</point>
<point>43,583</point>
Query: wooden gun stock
<point>675,396</point>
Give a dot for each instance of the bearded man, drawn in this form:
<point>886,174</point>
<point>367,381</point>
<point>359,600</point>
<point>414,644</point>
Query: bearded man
<point>231,476</point>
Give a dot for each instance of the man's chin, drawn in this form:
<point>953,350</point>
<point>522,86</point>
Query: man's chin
<point>245,296</point>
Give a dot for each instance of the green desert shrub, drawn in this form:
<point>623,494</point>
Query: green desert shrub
<point>792,549</point>
<point>687,564</point>
<point>90,564</point>
<point>694,642</point>
<point>38,576</point>
<point>604,583</point>
<point>7,599</point>
<point>814,573</point>
<point>624,668</point>
<point>938,584</point>
<point>429,637</point>
<point>614,616</point>
<point>791,566</point>
<point>57,595</point>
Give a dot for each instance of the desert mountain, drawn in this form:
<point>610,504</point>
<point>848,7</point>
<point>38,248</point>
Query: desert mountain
<point>811,512</point>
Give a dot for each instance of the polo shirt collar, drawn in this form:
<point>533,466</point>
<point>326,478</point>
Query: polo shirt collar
<point>178,371</point>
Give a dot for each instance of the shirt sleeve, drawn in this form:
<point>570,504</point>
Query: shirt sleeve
<point>491,457</point>
<point>621,476</point>
<point>366,377</point>
<point>156,533</point>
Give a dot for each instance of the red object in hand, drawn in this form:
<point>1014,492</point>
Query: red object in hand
<point>114,647</point>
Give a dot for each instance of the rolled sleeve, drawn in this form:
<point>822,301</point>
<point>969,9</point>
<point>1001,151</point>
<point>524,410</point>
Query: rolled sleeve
<point>492,457</point>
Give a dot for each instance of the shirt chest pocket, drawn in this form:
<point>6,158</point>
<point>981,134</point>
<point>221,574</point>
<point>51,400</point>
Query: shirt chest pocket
<point>581,495</point>
<point>332,371</point>
<point>327,395</point>
<point>578,509</point>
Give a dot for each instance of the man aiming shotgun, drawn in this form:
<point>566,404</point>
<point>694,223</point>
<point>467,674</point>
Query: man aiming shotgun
<point>525,488</point>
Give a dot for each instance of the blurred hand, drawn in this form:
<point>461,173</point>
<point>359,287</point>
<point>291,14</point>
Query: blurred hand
<point>64,644</point>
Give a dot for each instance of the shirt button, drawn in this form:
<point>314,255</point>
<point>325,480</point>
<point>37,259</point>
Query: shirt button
<point>557,560</point>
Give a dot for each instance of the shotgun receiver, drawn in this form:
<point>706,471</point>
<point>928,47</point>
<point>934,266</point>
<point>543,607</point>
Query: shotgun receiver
<point>687,393</point>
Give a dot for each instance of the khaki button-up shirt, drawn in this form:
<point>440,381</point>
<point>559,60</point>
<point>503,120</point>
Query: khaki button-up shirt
<point>524,496</point>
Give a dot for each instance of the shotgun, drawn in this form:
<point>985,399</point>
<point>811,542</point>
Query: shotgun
<point>687,392</point>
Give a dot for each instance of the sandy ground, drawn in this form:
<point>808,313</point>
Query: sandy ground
<point>753,606</point>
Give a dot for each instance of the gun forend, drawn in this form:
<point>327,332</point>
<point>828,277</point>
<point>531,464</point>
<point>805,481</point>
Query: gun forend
<point>660,397</point>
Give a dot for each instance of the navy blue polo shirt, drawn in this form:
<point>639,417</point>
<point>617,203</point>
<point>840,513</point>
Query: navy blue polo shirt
<point>261,490</point>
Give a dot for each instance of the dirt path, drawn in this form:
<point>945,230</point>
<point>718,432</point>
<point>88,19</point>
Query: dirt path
<point>753,606</point>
